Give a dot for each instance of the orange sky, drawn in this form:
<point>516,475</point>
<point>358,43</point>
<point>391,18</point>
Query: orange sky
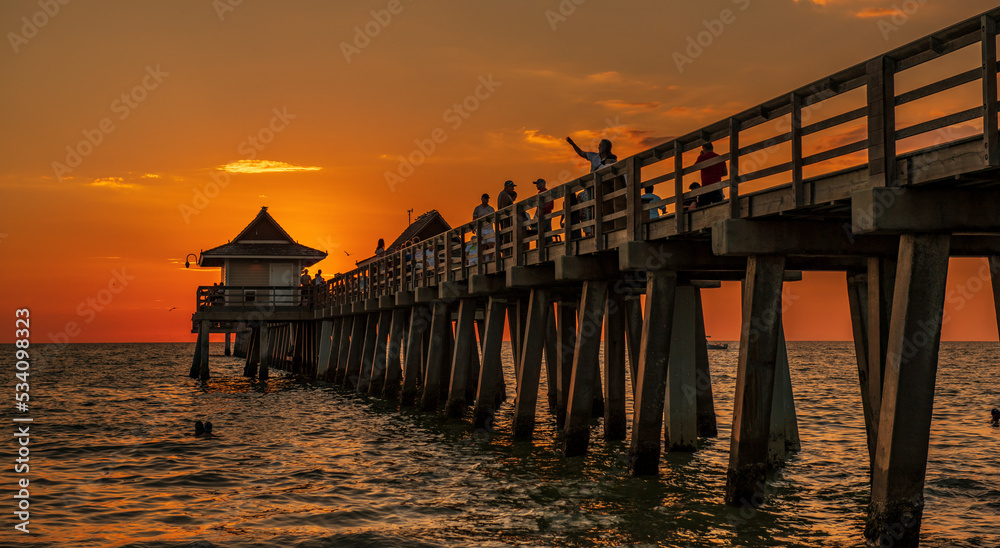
<point>168,93</point>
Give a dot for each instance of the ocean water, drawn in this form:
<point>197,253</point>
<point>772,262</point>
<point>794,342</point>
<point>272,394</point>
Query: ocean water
<point>308,465</point>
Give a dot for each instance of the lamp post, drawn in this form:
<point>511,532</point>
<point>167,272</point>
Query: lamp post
<point>187,263</point>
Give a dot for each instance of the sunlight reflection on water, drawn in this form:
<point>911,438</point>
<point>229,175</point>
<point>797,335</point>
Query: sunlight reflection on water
<point>305,464</point>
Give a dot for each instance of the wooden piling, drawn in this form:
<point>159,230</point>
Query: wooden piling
<point>881,281</point>
<point>344,349</point>
<point>566,326</point>
<point>491,370</point>
<point>783,434</point>
<point>465,346</point>
<point>368,352</point>
<point>650,393</point>
<point>908,395</point>
<point>436,355</point>
<point>857,298</point>
<point>195,370</point>
<point>353,371</point>
<point>266,344</point>
<point>325,349</point>
<point>551,361</point>
<point>615,413</point>
<point>705,401</point>
<point>633,336</point>
<point>376,384</point>
<point>586,364</point>
<point>253,353</point>
<point>226,351</point>
<point>393,365</point>
<point>680,409</point>
<point>755,380</point>
<point>531,363</point>
<point>414,343</point>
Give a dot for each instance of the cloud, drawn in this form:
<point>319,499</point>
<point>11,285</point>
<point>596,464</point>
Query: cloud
<point>264,166</point>
<point>869,13</point>
<point>114,183</point>
<point>629,106</point>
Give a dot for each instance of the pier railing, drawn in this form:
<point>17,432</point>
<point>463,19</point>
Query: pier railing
<point>775,146</point>
<point>255,297</point>
<point>804,152</point>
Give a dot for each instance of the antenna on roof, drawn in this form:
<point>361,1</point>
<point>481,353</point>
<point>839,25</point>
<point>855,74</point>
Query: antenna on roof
<point>409,221</point>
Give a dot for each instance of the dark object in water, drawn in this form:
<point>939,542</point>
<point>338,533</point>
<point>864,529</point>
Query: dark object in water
<point>718,346</point>
<point>995,421</point>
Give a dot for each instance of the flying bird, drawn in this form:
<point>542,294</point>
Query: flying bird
<point>174,308</point>
<point>346,253</point>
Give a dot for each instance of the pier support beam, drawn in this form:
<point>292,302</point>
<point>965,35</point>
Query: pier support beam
<point>566,327</point>
<point>461,363</point>
<point>195,370</point>
<point>680,410</point>
<point>344,349</point>
<point>353,370</point>
<point>437,353</point>
<point>908,395</point>
<point>266,344</point>
<point>539,307</point>
<point>491,371</point>
<point>707,427</point>
<point>393,365</point>
<point>881,284</point>
<point>857,298</point>
<point>414,343</point>
<point>784,429</point>
<point>331,370</point>
<point>650,392</point>
<point>325,349</point>
<point>253,353</point>
<point>615,413</point>
<point>376,382</point>
<point>226,351</point>
<point>586,368</point>
<point>205,331</point>
<point>368,353</point>
<point>748,452</point>
<point>633,337</point>
<point>552,361</point>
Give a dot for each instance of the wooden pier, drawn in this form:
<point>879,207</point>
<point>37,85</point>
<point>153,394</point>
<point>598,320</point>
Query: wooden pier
<point>897,193</point>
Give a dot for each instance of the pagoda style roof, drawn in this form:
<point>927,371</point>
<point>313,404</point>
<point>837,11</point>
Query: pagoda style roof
<point>263,238</point>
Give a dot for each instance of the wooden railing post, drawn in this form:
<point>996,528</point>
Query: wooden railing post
<point>569,196</point>
<point>881,122</point>
<point>598,196</point>
<point>991,135</point>
<point>798,187</point>
<point>734,168</point>
<point>518,234</point>
<point>679,185</point>
<point>633,195</point>
<point>497,241</point>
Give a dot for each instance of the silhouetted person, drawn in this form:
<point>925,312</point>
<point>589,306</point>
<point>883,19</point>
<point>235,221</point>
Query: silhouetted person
<point>305,278</point>
<point>603,156</point>
<point>711,175</point>
<point>507,196</point>
<point>995,421</point>
<point>318,279</point>
<point>208,430</point>
<point>199,429</point>
<point>380,248</point>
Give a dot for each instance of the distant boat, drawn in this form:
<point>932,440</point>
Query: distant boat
<point>716,345</point>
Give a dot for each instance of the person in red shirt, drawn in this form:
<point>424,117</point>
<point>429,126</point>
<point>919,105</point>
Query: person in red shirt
<point>711,174</point>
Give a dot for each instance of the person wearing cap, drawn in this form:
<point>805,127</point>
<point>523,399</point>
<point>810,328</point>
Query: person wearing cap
<point>483,209</point>
<point>506,199</point>
<point>507,196</point>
